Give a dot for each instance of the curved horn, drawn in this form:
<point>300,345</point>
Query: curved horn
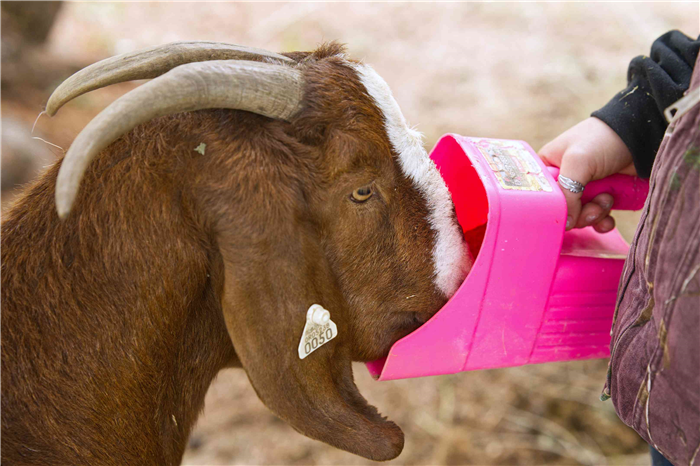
<point>147,64</point>
<point>274,91</point>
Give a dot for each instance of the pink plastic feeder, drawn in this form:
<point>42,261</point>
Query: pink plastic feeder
<point>535,293</point>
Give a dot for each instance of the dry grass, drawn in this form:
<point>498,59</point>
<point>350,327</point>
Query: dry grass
<point>525,71</point>
<point>548,414</point>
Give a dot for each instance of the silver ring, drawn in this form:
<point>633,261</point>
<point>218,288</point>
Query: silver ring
<point>573,186</point>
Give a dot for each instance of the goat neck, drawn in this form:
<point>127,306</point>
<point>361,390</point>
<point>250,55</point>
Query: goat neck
<point>112,323</point>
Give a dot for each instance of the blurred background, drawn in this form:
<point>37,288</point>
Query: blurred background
<point>509,70</point>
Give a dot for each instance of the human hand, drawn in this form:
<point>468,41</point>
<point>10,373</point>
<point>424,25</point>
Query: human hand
<point>589,151</point>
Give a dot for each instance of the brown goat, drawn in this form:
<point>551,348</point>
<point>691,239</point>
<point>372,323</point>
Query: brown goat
<point>173,264</point>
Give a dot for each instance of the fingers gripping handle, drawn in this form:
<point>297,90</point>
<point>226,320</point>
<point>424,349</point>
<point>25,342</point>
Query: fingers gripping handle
<point>628,192</point>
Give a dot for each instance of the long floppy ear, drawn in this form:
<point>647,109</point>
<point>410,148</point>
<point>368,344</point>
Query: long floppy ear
<point>266,299</point>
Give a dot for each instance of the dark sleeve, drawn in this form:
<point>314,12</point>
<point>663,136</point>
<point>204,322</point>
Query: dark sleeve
<point>655,82</point>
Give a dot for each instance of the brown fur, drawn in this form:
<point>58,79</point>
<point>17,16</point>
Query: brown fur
<point>174,265</point>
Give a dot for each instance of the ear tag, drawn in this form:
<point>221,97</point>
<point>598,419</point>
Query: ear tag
<point>318,331</point>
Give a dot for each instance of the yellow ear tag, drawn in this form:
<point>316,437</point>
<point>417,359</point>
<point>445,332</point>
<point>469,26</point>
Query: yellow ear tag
<point>318,331</point>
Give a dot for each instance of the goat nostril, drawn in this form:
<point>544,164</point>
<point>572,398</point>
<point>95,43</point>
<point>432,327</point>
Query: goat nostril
<point>420,318</point>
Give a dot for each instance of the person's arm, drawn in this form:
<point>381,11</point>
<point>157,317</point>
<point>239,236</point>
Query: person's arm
<point>654,83</point>
<point>624,135</point>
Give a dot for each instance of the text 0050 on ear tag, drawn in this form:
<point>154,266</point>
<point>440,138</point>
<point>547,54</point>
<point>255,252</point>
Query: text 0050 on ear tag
<point>318,331</point>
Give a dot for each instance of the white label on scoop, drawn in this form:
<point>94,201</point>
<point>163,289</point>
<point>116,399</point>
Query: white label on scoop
<point>513,164</point>
<point>318,331</point>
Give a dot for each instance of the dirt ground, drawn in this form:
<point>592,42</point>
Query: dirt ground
<point>527,71</point>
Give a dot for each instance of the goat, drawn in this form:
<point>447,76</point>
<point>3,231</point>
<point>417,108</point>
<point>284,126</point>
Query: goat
<point>157,265</point>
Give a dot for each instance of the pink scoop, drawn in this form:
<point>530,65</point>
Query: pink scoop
<point>535,293</point>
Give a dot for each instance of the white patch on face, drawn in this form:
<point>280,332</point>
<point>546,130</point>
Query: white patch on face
<point>451,258</point>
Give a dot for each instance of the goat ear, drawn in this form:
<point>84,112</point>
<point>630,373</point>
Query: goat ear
<point>316,395</point>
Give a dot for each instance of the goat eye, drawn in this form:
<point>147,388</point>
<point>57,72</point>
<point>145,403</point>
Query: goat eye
<point>362,194</point>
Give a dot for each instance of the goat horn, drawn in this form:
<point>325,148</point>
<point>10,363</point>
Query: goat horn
<point>148,64</point>
<point>274,91</point>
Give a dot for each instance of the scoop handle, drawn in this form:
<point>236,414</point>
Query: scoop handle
<point>628,192</point>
